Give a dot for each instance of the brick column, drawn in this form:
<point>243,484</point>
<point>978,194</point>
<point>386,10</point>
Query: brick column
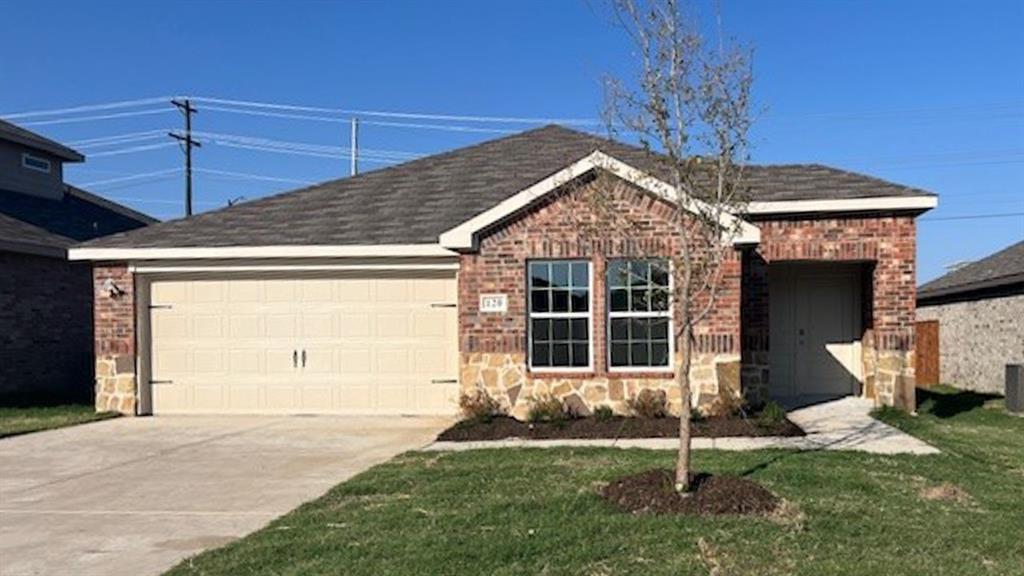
<point>114,319</point>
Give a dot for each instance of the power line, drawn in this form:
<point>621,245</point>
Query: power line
<point>86,108</point>
<point>132,150</point>
<point>392,114</point>
<point>446,127</point>
<point>312,154</point>
<point>87,147</point>
<point>100,139</point>
<point>250,176</point>
<point>98,117</point>
<point>306,146</point>
<point>132,177</point>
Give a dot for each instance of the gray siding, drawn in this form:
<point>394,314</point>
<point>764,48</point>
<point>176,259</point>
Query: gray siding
<point>17,178</point>
<point>977,339</point>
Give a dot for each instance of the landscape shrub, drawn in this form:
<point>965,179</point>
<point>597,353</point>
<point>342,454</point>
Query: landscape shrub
<point>547,409</point>
<point>649,403</point>
<point>603,413</point>
<point>479,405</point>
<point>772,414</point>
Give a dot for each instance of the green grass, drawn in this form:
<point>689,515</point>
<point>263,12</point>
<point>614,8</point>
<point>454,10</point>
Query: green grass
<point>15,421</point>
<point>536,512</point>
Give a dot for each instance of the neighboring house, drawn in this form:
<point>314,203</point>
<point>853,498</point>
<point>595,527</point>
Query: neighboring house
<point>46,319</point>
<point>391,291</point>
<point>979,308</point>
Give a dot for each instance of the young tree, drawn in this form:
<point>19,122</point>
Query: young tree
<point>689,106</point>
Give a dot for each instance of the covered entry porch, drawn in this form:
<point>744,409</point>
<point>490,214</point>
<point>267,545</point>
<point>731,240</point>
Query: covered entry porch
<point>827,310</point>
<point>817,315</point>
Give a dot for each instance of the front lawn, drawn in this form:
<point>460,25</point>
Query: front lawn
<point>537,511</point>
<point>15,421</point>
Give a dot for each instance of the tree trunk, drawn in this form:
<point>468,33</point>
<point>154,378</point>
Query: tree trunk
<point>683,379</point>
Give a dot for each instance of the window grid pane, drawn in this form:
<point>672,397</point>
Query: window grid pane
<point>559,303</point>
<point>638,287</point>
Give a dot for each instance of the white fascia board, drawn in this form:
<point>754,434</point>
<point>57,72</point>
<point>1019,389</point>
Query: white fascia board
<point>463,236</point>
<point>349,251</point>
<point>149,268</point>
<point>881,203</point>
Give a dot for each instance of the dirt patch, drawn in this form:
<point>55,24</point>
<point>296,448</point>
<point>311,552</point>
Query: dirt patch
<point>501,427</point>
<point>653,492</point>
<point>946,492</point>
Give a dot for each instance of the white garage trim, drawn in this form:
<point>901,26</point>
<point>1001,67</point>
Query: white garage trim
<point>157,269</point>
<point>378,341</point>
<point>345,251</point>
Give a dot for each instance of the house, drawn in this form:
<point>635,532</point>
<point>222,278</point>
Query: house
<point>46,321</point>
<point>978,308</point>
<point>391,291</point>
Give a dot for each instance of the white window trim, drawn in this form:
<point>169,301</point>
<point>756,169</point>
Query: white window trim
<point>530,315</point>
<point>25,156</point>
<point>670,314</point>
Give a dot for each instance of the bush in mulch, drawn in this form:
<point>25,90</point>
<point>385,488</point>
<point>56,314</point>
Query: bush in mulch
<point>609,426</point>
<point>653,492</point>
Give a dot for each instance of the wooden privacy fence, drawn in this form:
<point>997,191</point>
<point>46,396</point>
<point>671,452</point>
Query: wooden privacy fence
<point>926,366</point>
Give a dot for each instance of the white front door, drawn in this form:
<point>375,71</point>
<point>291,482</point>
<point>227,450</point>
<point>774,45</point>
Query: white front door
<point>353,344</point>
<point>815,331</point>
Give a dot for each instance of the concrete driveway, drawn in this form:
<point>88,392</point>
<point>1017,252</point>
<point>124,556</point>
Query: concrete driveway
<point>134,496</point>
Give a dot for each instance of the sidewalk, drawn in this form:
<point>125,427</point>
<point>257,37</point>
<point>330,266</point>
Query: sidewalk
<point>843,424</point>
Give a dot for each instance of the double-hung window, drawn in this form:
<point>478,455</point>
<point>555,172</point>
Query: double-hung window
<point>560,315</point>
<point>639,314</point>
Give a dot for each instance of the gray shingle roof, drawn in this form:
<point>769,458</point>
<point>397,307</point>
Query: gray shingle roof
<point>413,203</point>
<point>15,133</point>
<point>1000,269</point>
<point>76,217</point>
<point>14,232</point>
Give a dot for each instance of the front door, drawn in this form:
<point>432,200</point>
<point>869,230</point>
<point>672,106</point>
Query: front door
<point>815,331</point>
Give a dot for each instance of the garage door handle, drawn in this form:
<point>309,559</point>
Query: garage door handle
<point>295,358</point>
<point>443,305</point>
<point>444,381</point>
<point>303,358</point>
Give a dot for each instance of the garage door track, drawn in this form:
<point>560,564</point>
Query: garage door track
<point>134,496</point>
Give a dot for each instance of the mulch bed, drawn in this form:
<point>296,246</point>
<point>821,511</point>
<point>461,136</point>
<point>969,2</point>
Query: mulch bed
<point>501,427</point>
<point>653,492</point>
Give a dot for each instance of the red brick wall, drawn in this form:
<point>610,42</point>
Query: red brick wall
<point>115,338</point>
<point>557,229</point>
<point>889,242</point>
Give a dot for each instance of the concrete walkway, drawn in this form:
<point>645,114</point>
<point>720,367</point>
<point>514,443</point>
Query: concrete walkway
<point>843,424</point>
<point>134,496</point>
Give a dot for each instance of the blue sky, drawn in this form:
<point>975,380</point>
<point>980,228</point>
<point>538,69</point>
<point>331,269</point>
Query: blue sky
<point>924,93</point>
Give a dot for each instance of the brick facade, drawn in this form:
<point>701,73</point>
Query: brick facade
<point>45,330</point>
<point>494,346</point>
<point>114,331</point>
<point>887,246</point>
<point>732,344</point>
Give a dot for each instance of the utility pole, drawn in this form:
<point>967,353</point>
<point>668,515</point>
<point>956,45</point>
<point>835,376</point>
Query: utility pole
<point>187,109</point>
<point>355,147</point>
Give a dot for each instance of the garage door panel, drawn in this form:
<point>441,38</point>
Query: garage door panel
<point>243,398</point>
<point>373,345</point>
<point>280,325</point>
<point>392,325</point>
<point>209,362</point>
<point>317,325</point>
<point>283,397</point>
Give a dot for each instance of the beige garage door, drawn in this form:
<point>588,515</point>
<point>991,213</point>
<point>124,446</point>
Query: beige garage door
<point>356,344</point>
